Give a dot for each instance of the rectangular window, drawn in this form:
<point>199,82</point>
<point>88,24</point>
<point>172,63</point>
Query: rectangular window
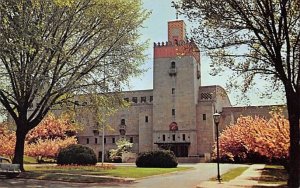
<point>151,98</point>
<point>164,137</point>
<point>113,140</point>
<point>173,137</point>
<point>122,121</point>
<point>173,65</point>
<point>104,140</point>
<point>143,99</point>
<point>173,112</point>
<point>131,139</point>
<point>146,119</point>
<point>87,141</point>
<point>126,99</point>
<point>134,99</point>
<point>173,90</point>
<point>96,141</point>
<point>183,137</point>
<point>204,116</point>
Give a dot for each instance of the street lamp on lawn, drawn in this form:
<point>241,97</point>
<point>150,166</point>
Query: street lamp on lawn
<point>216,117</point>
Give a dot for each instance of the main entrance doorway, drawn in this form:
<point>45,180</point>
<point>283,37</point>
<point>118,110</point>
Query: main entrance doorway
<point>179,149</point>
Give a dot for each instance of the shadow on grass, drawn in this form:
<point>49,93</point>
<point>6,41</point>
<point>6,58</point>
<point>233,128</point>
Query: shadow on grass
<point>75,178</point>
<point>273,174</point>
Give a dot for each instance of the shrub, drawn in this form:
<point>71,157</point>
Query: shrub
<point>159,158</point>
<point>256,140</point>
<point>76,154</point>
<point>117,159</point>
<point>123,145</point>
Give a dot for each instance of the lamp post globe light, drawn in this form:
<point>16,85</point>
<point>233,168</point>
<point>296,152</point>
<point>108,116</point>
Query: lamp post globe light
<point>216,117</point>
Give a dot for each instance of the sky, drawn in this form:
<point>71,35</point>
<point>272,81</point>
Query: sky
<point>155,30</point>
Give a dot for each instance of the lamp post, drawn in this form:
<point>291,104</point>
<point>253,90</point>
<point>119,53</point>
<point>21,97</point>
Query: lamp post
<point>216,117</point>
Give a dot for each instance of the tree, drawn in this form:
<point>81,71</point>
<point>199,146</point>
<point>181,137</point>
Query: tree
<point>51,49</point>
<point>7,140</point>
<point>123,146</point>
<point>48,148</point>
<point>53,127</point>
<point>51,135</point>
<point>102,106</point>
<point>45,140</point>
<point>255,38</point>
<point>256,137</point>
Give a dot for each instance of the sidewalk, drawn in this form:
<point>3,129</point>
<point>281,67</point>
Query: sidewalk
<point>247,179</point>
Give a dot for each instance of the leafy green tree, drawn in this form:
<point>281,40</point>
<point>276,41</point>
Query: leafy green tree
<point>102,106</point>
<point>255,38</point>
<point>123,145</point>
<point>50,48</point>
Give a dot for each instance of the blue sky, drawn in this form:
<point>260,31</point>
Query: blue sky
<point>155,29</point>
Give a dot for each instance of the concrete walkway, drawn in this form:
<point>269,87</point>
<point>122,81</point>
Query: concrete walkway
<point>248,179</point>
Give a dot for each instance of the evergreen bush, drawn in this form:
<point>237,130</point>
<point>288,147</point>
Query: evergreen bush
<point>76,154</point>
<point>159,158</point>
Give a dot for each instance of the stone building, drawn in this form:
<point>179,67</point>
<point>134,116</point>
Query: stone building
<point>177,113</point>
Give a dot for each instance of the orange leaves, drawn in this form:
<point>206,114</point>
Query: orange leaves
<point>48,148</point>
<point>255,135</point>
<point>7,141</point>
<point>52,127</point>
<point>43,141</point>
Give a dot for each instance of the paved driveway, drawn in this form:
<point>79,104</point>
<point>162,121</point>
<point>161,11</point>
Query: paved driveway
<point>186,179</point>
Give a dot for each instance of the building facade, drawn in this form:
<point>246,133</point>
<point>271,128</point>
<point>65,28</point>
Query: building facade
<point>177,113</point>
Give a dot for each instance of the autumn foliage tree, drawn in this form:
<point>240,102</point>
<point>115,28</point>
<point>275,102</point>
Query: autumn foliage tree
<point>256,139</point>
<point>52,134</point>
<point>53,127</point>
<point>7,140</point>
<point>44,141</point>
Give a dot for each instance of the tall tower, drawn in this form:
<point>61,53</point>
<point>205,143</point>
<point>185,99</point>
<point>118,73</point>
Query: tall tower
<point>176,84</point>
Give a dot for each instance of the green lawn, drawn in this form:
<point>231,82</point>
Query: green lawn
<point>233,173</point>
<point>29,160</point>
<point>134,172</point>
<point>90,173</point>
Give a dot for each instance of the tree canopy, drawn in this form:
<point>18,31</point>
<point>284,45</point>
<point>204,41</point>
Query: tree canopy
<point>53,47</point>
<point>256,140</point>
<point>249,37</point>
<point>254,38</point>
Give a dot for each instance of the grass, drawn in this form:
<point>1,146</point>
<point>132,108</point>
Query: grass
<point>29,160</point>
<point>134,172</point>
<point>32,160</point>
<point>274,174</point>
<point>233,173</point>
<point>92,173</point>
<point>67,177</point>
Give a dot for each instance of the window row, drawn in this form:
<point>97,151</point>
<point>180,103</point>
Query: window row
<point>142,99</point>
<point>123,121</point>
<point>113,140</point>
<point>174,137</point>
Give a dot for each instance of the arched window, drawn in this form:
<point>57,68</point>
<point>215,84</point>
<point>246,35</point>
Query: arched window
<point>173,64</point>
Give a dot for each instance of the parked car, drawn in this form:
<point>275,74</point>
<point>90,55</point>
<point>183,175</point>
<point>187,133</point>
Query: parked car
<point>8,169</point>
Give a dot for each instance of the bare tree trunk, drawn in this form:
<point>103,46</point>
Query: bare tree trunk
<point>294,163</point>
<point>19,148</point>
